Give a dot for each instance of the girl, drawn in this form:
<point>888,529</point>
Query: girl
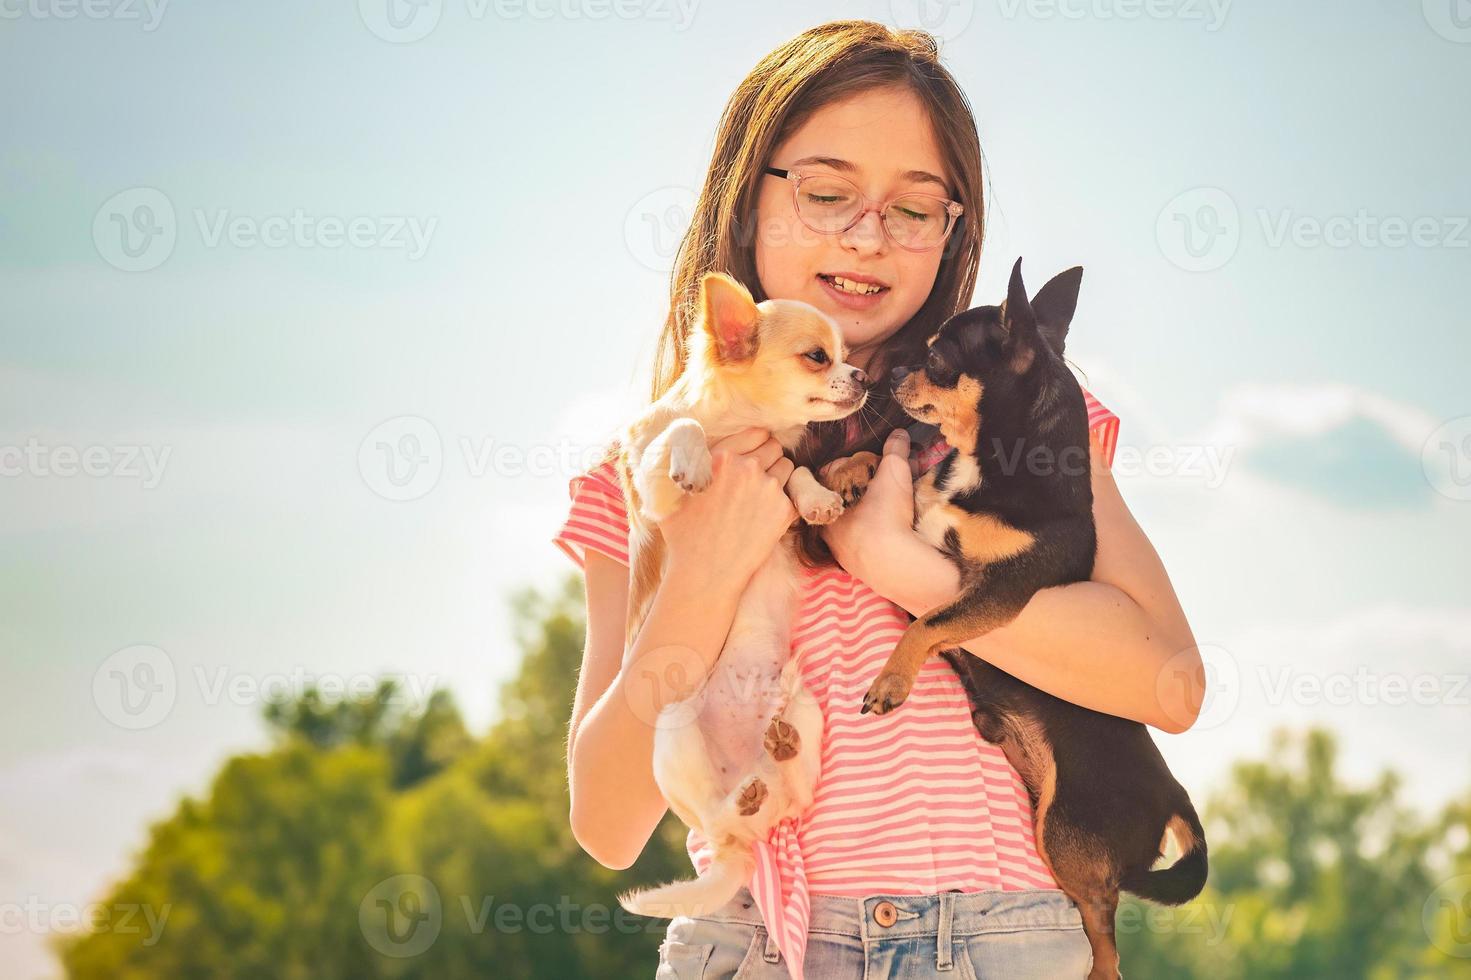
<point>917,856</point>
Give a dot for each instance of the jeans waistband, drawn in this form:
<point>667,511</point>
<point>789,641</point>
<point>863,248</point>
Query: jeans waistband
<point>877,917</point>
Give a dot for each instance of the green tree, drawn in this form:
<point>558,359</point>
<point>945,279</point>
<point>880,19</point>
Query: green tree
<point>1309,877</point>
<point>363,808</point>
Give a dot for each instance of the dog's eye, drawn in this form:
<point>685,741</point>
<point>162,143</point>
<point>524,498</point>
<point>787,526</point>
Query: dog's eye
<point>818,356</point>
<point>932,363</point>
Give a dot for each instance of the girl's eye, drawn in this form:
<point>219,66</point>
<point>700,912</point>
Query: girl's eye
<point>818,356</point>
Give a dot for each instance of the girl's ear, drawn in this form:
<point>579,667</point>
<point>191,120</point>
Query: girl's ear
<point>729,315</point>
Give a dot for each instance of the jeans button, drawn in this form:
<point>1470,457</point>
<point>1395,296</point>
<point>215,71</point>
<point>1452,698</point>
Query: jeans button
<point>885,914</point>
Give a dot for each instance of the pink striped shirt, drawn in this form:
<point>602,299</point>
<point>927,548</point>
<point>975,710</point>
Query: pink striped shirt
<point>913,802</point>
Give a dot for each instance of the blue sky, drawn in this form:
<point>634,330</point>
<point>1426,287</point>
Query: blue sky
<point>348,249</point>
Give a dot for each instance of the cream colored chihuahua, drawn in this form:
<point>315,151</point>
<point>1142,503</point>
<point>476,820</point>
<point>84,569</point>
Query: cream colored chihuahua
<point>742,751</point>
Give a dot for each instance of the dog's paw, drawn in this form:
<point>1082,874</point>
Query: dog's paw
<point>752,796</point>
<point>690,468</point>
<point>850,476</point>
<point>886,694</point>
<point>782,740</point>
<point>819,506</point>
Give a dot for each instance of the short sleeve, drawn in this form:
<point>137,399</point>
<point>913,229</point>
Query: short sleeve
<point>1103,422</point>
<point>598,518</point>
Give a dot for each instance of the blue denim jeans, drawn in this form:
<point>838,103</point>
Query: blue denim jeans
<point>1016,935</point>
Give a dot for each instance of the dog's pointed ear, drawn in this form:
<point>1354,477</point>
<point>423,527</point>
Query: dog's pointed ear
<point>729,316</point>
<point>1054,306</point>
<point>1018,324</point>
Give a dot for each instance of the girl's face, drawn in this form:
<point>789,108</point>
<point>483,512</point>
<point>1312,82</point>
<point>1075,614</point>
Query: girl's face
<point>882,141</point>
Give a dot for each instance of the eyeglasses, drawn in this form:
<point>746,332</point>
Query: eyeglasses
<point>830,205</point>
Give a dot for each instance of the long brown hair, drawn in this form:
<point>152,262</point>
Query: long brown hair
<point>820,66</point>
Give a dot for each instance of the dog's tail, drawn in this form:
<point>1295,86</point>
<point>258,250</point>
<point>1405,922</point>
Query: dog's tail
<point>1184,879</point>
<point>730,868</point>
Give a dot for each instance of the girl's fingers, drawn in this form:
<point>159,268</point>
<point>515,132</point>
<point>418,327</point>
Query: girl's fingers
<point>897,444</point>
<point>782,469</point>
<point>768,453</point>
<point>743,441</point>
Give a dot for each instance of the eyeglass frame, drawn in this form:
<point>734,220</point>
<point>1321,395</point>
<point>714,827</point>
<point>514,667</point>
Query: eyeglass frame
<point>952,208</point>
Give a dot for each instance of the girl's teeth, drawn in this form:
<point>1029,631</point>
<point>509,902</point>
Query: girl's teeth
<point>860,288</point>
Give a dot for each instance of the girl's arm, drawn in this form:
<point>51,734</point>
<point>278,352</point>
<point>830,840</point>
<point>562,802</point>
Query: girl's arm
<point>1118,643</point>
<point>615,803</point>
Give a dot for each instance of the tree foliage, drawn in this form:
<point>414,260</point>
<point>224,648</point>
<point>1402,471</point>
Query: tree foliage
<point>379,839</point>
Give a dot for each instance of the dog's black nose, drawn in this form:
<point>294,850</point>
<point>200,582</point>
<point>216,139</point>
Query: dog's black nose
<point>862,378</point>
<point>898,374</point>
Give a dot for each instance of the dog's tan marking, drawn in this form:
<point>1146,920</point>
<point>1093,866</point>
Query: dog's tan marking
<point>850,475</point>
<point>781,741</point>
<point>752,796</point>
<point>983,538</point>
<point>956,410</point>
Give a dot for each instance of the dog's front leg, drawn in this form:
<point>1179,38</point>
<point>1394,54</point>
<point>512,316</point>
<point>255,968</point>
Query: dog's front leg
<point>850,475</point>
<point>676,462</point>
<point>973,613</point>
<point>815,503</point>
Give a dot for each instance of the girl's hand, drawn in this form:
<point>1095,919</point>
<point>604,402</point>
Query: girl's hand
<point>729,529</point>
<point>883,518</point>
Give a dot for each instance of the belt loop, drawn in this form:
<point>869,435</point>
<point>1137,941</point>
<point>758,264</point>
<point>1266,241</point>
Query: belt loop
<point>944,946</point>
<point>771,953</point>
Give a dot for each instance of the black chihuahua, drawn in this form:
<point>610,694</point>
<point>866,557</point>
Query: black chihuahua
<point>1012,506</point>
